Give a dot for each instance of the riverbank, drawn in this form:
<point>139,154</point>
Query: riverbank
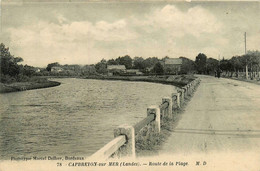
<point>175,80</point>
<point>22,86</point>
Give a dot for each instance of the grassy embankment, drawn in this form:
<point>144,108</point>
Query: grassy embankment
<point>29,85</point>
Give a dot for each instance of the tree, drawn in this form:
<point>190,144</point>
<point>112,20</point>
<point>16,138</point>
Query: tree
<point>8,62</point>
<point>158,68</point>
<point>164,58</point>
<point>18,59</point>
<point>28,71</point>
<point>237,64</point>
<point>150,62</point>
<point>49,66</point>
<point>112,62</point>
<point>125,60</point>
<point>212,65</point>
<point>138,63</point>
<point>88,70</point>
<point>187,66</point>
<point>252,59</point>
<point>101,67</point>
<point>225,65</point>
<point>200,63</point>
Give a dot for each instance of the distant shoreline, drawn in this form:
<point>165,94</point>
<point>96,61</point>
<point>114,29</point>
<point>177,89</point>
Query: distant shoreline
<point>22,86</point>
<point>175,80</point>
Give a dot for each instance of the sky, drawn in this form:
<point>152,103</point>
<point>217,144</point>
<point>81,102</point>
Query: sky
<point>84,32</point>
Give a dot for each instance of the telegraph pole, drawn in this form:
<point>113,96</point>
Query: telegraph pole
<point>246,59</point>
<point>245,42</point>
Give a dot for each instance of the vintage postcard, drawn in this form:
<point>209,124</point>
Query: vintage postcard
<point>129,85</point>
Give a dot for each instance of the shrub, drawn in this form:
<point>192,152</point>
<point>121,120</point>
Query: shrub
<point>22,78</point>
<point>7,79</point>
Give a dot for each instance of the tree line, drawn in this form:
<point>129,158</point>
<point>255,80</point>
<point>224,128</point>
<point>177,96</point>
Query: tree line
<point>229,67</point>
<point>150,65</point>
<point>11,70</point>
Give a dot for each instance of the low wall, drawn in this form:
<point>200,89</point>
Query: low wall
<point>123,145</point>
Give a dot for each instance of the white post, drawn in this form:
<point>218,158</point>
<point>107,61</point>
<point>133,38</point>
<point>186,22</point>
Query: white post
<point>177,100</point>
<point>129,148</point>
<point>155,110</point>
<point>169,109</point>
<point>193,86</point>
<point>181,91</point>
<point>189,89</point>
<point>185,91</point>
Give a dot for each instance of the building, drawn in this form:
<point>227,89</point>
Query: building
<point>133,72</point>
<point>116,69</point>
<point>37,69</point>
<point>172,65</point>
<point>56,69</point>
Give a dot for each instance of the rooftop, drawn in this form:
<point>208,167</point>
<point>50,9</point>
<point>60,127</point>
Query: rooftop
<point>121,67</point>
<point>173,61</point>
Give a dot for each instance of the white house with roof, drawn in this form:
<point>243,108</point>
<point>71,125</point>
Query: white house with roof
<point>115,69</point>
<point>172,65</point>
<point>134,72</point>
<point>56,69</point>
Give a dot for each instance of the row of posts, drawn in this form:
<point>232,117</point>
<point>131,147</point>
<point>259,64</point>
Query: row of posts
<point>175,102</point>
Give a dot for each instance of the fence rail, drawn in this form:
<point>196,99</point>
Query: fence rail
<point>143,123</point>
<point>125,134</point>
<point>164,106</point>
<point>111,147</point>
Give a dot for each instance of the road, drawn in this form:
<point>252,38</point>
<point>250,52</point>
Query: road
<point>222,116</point>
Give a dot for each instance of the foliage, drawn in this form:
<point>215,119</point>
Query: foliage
<point>101,67</point>
<point>144,65</point>
<point>150,62</point>
<point>200,63</point>
<point>49,66</point>
<point>11,71</point>
<point>188,66</point>
<point>158,68</point>
<point>234,65</point>
<point>88,70</point>
<point>212,65</point>
<point>139,63</point>
<point>225,65</point>
<point>112,62</point>
<point>28,71</point>
<point>125,60</point>
<point>8,62</point>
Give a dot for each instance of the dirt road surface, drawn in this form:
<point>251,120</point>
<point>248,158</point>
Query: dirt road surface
<point>222,116</point>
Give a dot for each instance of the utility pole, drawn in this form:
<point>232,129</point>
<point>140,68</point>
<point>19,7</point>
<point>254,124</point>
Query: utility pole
<point>246,59</point>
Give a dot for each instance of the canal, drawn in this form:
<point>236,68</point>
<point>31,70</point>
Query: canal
<point>74,119</point>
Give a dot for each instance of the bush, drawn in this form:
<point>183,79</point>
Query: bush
<point>7,79</point>
<point>22,78</point>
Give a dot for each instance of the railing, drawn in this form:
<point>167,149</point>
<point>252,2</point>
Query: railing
<point>124,142</point>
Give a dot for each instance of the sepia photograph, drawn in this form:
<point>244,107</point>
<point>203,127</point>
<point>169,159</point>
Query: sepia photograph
<point>129,85</point>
